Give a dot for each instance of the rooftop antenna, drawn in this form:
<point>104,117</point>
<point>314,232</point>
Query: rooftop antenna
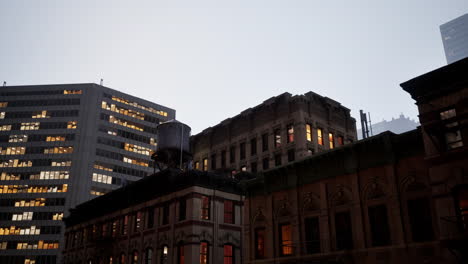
<point>370,124</point>
<point>102,82</point>
<point>364,127</point>
<point>4,83</point>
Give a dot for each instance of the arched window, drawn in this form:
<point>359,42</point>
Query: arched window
<point>135,257</point>
<point>204,252</point>
<point>164,254</point>
<point>181,253</point>
<point>122,258</point>
<point>228,254</point>
<point>110,260</point>
<point>148,256</point>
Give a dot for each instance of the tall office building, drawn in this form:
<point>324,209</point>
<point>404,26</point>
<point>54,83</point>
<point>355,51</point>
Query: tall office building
<point>455,38</point>
<point>61,145</point>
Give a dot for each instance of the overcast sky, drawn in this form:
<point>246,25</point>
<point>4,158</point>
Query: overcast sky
<point>210,60</point>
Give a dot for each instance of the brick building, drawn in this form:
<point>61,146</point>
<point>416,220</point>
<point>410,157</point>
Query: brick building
<point>169,217</point>
<point>281,130</point>
<point>387,199</point>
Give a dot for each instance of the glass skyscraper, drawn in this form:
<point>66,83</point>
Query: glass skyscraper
<point>61,145</point>
<point>455,38</point>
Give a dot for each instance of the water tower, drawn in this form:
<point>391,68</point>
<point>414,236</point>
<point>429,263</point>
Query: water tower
<point>173,149</point>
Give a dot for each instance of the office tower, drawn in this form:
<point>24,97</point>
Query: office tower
<point>61,145</point>
<point>281,130</point>
<point>455,38</point>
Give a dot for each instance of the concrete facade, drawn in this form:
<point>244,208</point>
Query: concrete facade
<point>455,38</point>
<point>236,144</point>
<point>63,145</point>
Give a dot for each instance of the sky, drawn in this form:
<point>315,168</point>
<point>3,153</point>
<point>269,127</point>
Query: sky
<point>211,59</point>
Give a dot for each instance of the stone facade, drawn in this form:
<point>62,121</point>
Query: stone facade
<point>247,142</point>
<point>135,225</point>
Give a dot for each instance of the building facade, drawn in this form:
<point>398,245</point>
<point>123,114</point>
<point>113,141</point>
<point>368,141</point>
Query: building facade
<point>61,145</point>
<point>281,130</point>
<point>171,217</point>
<point>386,199</point>
<point>455,38</point>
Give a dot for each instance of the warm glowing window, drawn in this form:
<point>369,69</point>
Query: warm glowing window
<point>309,132</point>
<point>290,131</point>
<point>180,254</point>
<point>135,161</point>
<point>61,163</point>
<point>40,114</point>
<point>72,124</point>
<point>164,254</point>
<point>205,208</point>
<point>55,138</point>
<point>57,217</point>
<point>59,150</point>
<point>197,165</point>
<point>72,91</point>
<point>13,230</point>
<point>2,115</point>
<point>260,243</point>
<point>285,239</point>
<point>30,126</point>
<point>135,257</point>
<point>123,111</point>
<point>5,127</point>
<point>277,138</point>
<point>228,254</point>
<point>31,203</point>
<point>3,104</point>
<point>100,167</point>
<point>25,216</point>
<point>149,109</point>
<point>12,151</point>
<point>118,121</point>
<point>319,136</point>
<point>331,140</point>
<point>18,138</point>
<point>33,188</point>
<point>138,149</point>
<point>203,253</point>
<point>228,212</point>
<point>205,164</point>
<point>51,175</point>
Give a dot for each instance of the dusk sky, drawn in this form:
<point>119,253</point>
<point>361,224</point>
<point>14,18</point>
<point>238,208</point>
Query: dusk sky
<point>210,60</point>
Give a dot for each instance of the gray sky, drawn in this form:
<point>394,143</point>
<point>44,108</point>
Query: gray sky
<point>210,60</point>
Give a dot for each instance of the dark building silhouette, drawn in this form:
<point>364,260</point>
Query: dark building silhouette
<point>281,130</point>
<point>61,145</point>
<point>388,198</point>
<point>455,38</point>
<point>396,125</point>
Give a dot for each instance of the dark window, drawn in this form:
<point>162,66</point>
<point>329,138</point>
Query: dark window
<point>228,212</point>
<point>343,228</point>
<point>165,214</point>
<point>312,235</point>
<point>278,160</point>
<point>205,208</point>
<point>150,218</point>
<point>285,239</point>
<point>213,162</point>
<point>242,150</point>
<point>264,142</point>
<point>453,137</point>
<point>265,163</point>
<point>277,138</point>
<point>232,154</point>
<point>253,146</point>
<point>148,256</point>
<point>462,207</point>
<point>182,209</point>
<point>291,155</point>
<point>204,253</point>
<point>223,159</point>
<point>420,217</point>
<point>228,254</point>
<point>340,140</point>
<point>253,167</point>
<point>260,243</point>
<point>125,225</point>
<point>378,220</point>
<point>290,131</point>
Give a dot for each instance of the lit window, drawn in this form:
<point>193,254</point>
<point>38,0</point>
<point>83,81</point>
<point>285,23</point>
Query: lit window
<point>205,208</point>
<point>72,124</point>
<point>331,140</point>
<point>100,167</point>
<point>203,253</point>
<point>61,163</point>
<point>260,243</point>
<point>149,109</point>
<point>72,91</point>
<point>309,132</point>
<point>12,151</point>
<point>59,150</point>
<point>290,131</point>
<point>2,115</point>
<point>121,122</point>
<point>319,136</point>
<point>18,138</point>
<point>31,203</point>
<point>197,165</point>
<point>135,161</point>
<point>285,240</point>
<point>25,216</point>
<point>180,254</point>
<point>55,138</point>
<point>205,164</point>
<point>135,257</point>
<point>97,177</point>
<point>228,254</point>
<point>123,111</point>
<point>164,254</point>
<point>3,104</point>
<point>30,126</point>
<point>243,168</point>
<point>277,138</point>
<point>138,149</point>
<point>40,114</point>
<point>5,127</point>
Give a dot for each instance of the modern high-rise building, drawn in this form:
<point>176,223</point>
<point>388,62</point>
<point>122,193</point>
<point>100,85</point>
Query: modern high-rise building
<point>61,145</point>
<point>455,38</point>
